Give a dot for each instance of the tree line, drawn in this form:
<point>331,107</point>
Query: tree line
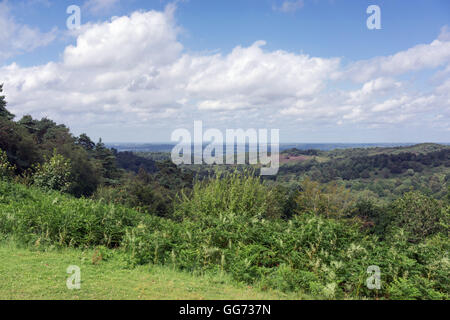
<point>48,155</point>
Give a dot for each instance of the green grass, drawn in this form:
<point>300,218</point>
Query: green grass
<point>30,274</point>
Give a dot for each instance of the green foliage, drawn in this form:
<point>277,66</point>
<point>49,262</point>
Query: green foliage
<point>419,215</point>
<point>6,169</point>
<point>137,195</point>
<point>282,202</point>
<point>330,200</point>
<point>375,219</point>
<point>132,162</point>
<point>86,142</point>
<point>53,174</point>
<point>107,161</point>
<point>311,253</point>
<point>30,142</point>
<point>386,172</point>
<point>85,173</point>
<point>35,217</point>
<point>226,194</point>
<point>312,239</point>
<point>145,192</point>
<point>18,144</point>
<point>4,113</point>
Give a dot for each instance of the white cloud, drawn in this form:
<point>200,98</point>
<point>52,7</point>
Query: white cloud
<point>377,86</point>
<point>134,65</point>
<point>132,70</point>
<point>422,56</point>
<point>141,39</point>
<point>250,76</point>
<point>110,70</point>
<point>390,104</point>
<point>16,38</point>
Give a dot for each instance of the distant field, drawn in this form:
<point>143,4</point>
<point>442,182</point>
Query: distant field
<point>31,275</point>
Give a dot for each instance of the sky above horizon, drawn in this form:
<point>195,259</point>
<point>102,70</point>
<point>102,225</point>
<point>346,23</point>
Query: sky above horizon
<point>135,71</point>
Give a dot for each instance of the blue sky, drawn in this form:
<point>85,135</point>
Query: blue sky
<point>317,73</point>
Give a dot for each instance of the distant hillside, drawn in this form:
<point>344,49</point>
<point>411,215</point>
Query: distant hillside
<point>383,172</point>
<point>167,147</point>
<point>131,162</point>
<point>417,149</point>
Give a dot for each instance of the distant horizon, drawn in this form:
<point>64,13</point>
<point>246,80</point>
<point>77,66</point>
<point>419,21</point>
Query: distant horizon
<point>168,146</point>
<point>174,143</point>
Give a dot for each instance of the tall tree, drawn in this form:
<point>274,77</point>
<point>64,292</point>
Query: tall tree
<point>108,162</point>
<point>4,113</point>
<point>28,123</point>
<point>86,142</point>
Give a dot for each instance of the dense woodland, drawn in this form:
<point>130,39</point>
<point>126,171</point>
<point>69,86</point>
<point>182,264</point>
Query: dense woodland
<point>314,228</point>
<point>377,173</point>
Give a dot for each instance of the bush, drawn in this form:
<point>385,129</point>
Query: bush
<point>375,219</point>
<point>140,196</point>
<point>32,216</point>
<point>330,200</point>
<point>53,174</point>
<point>227,194</point>
<point>6,169</point>
<point>419,215</point>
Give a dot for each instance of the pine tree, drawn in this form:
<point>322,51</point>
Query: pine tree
<point>4,113</point>
<point>86,142</point>
<point>108,162</point>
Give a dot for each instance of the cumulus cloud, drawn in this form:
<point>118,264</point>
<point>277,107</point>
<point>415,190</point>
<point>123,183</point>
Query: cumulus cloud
<point>135,65</point>
<point>254,78</point>
<point>142,38</point>
<point>107,71</point>
<point>16,38</point>
<point>133,70</point>
<point>422,56</point>
<point>374,87</point>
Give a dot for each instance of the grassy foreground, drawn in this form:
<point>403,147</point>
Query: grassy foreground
<point>28,274</point>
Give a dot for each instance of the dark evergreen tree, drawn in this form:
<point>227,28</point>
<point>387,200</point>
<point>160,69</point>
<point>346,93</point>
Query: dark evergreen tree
<point>4,113</point>
<point>86,142</point>
<point>28,123</point>
<point>108,163</point>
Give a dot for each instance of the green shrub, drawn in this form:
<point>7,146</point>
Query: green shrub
<point>419,215</point>
<point>140,196</point>
<point>37,217</point>
<point>54,174</point>
<point>6,169</point>
<point>230,194</point>
<point>330,200</point>
<point>376,219</point>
